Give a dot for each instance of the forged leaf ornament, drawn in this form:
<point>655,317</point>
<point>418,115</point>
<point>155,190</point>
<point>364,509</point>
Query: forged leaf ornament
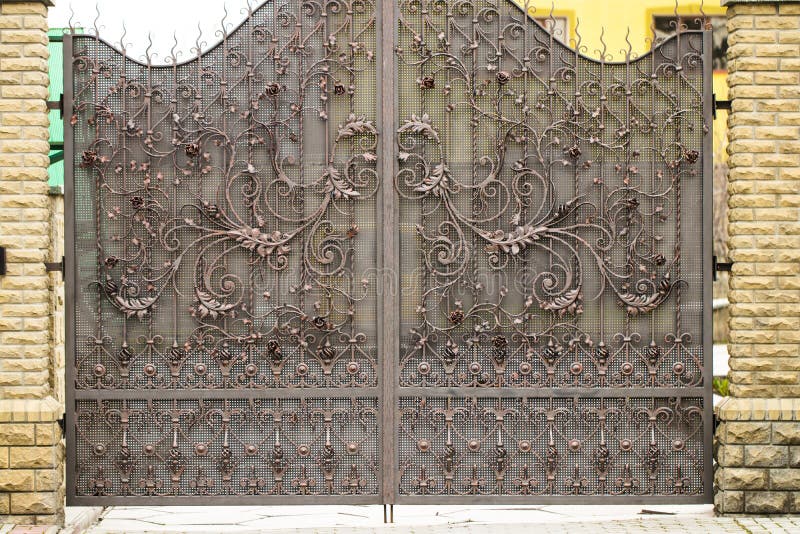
<point>640,303</point>
<point>356,125</point>
<point>208,306</point>
<point>263,244</point>
<point>420,125</point>
<point>129,302</point>
<point>570,302</point>
<point>336,186</point>
<point>437,182</point>
<point>515,241</point>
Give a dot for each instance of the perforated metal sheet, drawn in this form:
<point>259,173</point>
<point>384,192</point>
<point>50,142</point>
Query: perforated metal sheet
<point>550,446</point>
<point>551,251</point>
<point>238,447</point>
<point>225,258</point>
<point>298,272</point>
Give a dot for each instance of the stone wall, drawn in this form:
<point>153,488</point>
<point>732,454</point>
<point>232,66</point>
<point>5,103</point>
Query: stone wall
<point>31,449</point>
<point>31,462</point>
<point>758,433</point>
<point>24,205</point>
<point>764,188</point>
<point>758,452</point>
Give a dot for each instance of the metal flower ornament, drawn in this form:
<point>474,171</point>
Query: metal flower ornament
<point>214,190</point>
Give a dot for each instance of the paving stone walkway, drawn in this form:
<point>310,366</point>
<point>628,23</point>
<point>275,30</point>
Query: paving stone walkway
<point>433,520</point>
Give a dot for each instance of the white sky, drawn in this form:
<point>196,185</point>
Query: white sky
<point>163,17</point>
<point>160,17</point>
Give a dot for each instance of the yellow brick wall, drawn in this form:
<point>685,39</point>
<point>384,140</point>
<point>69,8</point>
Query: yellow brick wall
<point>31,461</point>
<point>764,188</point>
<point>25,322</point>
<point>31,365</point>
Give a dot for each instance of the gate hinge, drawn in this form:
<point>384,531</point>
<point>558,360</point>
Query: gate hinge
<point>57,266</point>
<point>57,104</point>
<point>718,267</point>
<point>62,424</point>
<point>719,104</point>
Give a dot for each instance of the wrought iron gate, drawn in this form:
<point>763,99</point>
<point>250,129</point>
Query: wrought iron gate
<point>392,252</point>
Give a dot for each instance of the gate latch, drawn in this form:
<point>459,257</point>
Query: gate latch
<point>718,267</point>
<point>58,266</point>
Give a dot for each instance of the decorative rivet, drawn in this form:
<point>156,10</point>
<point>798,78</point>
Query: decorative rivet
<point>353,367</point>
<point>474,445</point>
<point>627,368</point>
<point>474,368</point>
<point>574,444</point>
<point>626,444</point>
<point>576,368</point>
<point>150,369</point>
<point>423,445</point>
<point>303,450</point>
<point>424,368</point>
<point>678,445</point>
<point>525,368</point>
<point>99,449</point>
<point>250,370</point>
<point>251,449</point>
<point>302,369</point>
<point>200,369</point>
<point>149,449</point>
<point>678,368</point>
<point>524,446</point>
<point>99,370</point>
<point>200,449</point>
<point>352,448</point>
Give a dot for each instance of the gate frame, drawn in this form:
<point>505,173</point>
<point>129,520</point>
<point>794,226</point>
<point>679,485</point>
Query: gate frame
<point>387,212</point>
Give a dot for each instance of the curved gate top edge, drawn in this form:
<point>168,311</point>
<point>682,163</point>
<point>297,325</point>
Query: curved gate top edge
<point>201,49</point>
<point>340,455</point>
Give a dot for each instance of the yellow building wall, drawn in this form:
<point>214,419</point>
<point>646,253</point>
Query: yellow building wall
<point>623,21</point>
<point>617,17</point>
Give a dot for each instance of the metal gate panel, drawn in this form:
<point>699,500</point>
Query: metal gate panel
<point>412,252</point>
<point>224,263</point>
<point>554,343</point>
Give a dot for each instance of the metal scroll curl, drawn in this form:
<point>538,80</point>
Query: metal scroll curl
<point>547,193</point>
<point>227,195</point>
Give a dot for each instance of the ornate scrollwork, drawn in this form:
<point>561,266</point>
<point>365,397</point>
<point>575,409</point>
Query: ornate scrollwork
<point>228,192</point>
<point>315,443</point>
<point>550,446</point>
<point>227,219</point>
<point>546,192</point>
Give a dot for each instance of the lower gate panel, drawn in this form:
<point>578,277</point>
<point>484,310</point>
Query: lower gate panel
<point>168,449</point>
<point>550,447</point>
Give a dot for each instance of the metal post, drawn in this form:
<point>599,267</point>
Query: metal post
<point>388,513</point>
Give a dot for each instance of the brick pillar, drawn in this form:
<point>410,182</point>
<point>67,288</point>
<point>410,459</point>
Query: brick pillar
<point>758,437</point>
<point>31,450</point>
